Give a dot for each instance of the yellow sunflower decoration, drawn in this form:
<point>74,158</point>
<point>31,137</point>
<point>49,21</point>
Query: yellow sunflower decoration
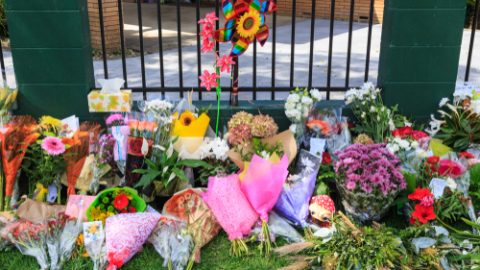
<point>249,24</point>
<point>188,125</point>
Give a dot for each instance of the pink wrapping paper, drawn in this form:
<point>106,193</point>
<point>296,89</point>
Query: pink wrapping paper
<point>263,183</point>
<point>125,236</point>
<point>230,206</point>
<point>76,207</point>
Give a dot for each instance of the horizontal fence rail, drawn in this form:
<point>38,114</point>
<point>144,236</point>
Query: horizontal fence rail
<point>289,70</point>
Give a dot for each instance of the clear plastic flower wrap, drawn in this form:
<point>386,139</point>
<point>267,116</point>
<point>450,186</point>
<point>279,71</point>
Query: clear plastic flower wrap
<point>125,235</point>
<point>61,238</point>
<point>94,242</point>
<point>298,189</point>
<point>279,227</point>
<point>170,240</point>
<point>340,137</point>
<point>231,209</point>
<point>31,240</point>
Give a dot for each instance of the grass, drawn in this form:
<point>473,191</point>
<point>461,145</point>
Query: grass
<point>214,256</point>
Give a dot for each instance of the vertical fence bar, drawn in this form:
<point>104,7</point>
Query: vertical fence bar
<point>292,43</point>
<point>122,42</point>
<point>312,42</point>
<point>160,47</point>
<point>142,52</point>
<point>179,40</point>
<point>102,35</point>
<point>369,41</point>
<point>2,65</point>
<point>472,40</point>
<point>330,47</point>
<point>217,23</point>
<point>274,44</point>
<point>349,49</point>
<point>199,55</point>
<point>234,93</point>
<point>254,82</point>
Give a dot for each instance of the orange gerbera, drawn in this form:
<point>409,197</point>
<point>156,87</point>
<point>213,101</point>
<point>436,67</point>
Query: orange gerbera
<point>319,126</point>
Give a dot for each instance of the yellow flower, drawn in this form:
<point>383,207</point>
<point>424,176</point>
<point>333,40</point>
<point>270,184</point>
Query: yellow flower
<point>96,213</point>
<point>92,229</point>
<point>187,125</point>
<point>40,192</point>
<point>249,24</point>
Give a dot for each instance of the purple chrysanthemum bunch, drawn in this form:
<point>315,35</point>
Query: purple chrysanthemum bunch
<point>370,169</point>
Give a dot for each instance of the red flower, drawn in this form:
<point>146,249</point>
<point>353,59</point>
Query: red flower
<point>423,214</point>
<point>132,209</point>
<point>120,202</point>
<point>326,158</point>
<point>433,159</point>
<point>419,194</point>
<point>450,168</point>
<point>417,135</point>
<point>403,132</point>
<point>466,155</point>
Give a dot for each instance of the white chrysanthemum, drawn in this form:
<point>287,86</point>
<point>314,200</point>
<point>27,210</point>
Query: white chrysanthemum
<point>393,148</point>
<point>293,98</point>
<point>159,105</point>
<point>290,105</point>
<point>414,144</point>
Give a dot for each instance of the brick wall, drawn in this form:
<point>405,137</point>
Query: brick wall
<point>342,9</point>
<point>110,22</point>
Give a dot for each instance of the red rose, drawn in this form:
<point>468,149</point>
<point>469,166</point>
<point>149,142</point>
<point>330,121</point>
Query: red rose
<point>417,135</point>
<point>326,158</point>
<point>433,159</point>
<point>419,194</point>
<point>423,214</point>
<point>403,132</point>
<point>466,155</point>
<point>120,202</point>
<point>135,146</point>
<point>132,209</point>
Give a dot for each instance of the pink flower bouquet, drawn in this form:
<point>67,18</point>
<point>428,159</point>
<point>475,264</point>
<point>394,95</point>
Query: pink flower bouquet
<point>262,184</point>
<point>125,236</point>
<point>231,208</point>
<point>368,178</point>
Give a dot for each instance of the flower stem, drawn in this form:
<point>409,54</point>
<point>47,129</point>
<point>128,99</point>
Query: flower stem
<point>266,244</point>
<point>219,91</point>
<point>239,248</point>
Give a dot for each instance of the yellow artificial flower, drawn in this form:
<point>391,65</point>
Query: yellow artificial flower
<point>188,125</point>
<point>249,24</point>
<point>48,122</point>
<point>40,192</point>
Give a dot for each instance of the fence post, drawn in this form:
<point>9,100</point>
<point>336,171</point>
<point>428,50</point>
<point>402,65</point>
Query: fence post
<point>419,56</point>
<point>50,43</point>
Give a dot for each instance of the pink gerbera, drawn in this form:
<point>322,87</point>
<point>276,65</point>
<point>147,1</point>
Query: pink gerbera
<point>224,63</point>
<point>53,146</point>
<point>209,80</point>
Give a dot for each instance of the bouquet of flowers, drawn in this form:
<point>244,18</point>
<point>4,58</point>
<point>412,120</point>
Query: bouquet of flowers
<point>140,141</point>
<point>170,241</point>
<point>104,163</point>
<point>298,189</point>
<point>125,236</point>
<point>188,206</point>
<point>61,239</point>
<point>117,125</point>
<point>94,242</point>
<point>261,182</point>
<point>409,145</point>
<point>298,106</point>
<point>368,179</point>
<point>30,239</point>
<point>189,128</point>
<point>222,196</point>
<point>79,149</point>
<point>424,211</point>
<point>115,201</point>
<point>373,117</point>
<point>15,139</point>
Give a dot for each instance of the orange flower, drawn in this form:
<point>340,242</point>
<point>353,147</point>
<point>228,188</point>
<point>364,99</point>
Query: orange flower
<point>319,125</point>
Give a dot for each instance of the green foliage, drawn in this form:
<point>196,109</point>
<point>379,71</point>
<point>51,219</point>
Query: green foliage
<point>450,208</point>
<point>262,149</point>
<point>474,190</point>
<point>166,167</point>
<point>460,129</point>
<point>217,167</point>
<point>370,248</point>
<point>41,167</point>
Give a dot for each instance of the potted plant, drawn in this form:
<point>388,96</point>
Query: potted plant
<point>368,180</point>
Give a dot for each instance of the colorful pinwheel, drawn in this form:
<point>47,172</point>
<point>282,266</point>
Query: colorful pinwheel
<point>245,21</point>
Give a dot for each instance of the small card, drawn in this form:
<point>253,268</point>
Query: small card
<point>317,146</point>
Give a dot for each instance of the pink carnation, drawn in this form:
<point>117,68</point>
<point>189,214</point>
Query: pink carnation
<point>53,146</point>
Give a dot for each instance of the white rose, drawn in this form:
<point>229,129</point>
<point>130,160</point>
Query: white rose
<point>404,144</point>
<point>316,94</point>
<point>293,98</point>
<point>307,100</point>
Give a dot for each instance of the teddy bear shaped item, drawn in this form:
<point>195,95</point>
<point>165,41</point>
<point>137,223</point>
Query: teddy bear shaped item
<point>321,210</point>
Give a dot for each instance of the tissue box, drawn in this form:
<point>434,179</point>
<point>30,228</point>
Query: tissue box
<point>112,102</point>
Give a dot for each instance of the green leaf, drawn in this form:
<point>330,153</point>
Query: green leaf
<point>148,178</point>
<point>193,163</point>
<point>180,174</point>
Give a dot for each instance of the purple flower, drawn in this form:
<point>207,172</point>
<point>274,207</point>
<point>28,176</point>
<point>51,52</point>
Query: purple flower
<point>351,185</point>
